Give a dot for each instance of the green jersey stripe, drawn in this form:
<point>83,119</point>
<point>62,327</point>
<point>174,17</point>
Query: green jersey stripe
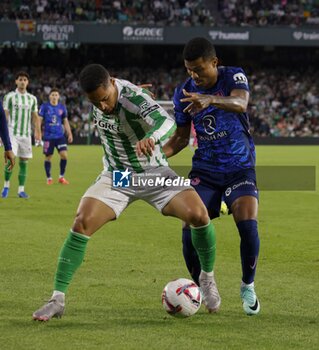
<point>22,115</point>
<point>113,150</point>
<point>135,116</point>
<point>16,112</point>
<point>131,154</point>
<point>135,125</point>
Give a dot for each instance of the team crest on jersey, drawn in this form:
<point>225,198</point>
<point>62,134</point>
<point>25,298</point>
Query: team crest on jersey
<point>127,92</point>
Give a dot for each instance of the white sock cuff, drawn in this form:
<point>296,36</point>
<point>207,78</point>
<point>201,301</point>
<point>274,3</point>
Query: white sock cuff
<point>79,234</point>
<point>243,284</point>
<point>199,227</point>
<point>57,293</point>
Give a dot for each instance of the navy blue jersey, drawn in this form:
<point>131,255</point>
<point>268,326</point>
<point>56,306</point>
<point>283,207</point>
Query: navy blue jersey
<point>224,141</point>
<point>53,120</point>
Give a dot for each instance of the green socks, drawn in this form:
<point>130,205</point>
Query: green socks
<point>7,172</point>
<point>23,172</point>
<point>71,257</point>
<point>204,241</point>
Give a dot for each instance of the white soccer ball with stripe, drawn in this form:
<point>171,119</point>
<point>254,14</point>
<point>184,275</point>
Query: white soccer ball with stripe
<point>181,298</point>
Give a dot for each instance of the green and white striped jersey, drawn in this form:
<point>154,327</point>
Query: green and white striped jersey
<point>136,116</point>
<point>20,107</point>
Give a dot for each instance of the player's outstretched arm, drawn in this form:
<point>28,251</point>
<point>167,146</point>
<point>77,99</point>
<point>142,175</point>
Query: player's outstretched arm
<point>237,102</point>
<point>178,141</point>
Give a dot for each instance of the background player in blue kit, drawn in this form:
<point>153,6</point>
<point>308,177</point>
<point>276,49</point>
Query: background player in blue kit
<point>215,99</point>
<point>4,135</point>
<point>54,115</point>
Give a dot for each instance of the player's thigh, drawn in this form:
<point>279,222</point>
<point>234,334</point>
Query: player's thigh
<point>241,196</point>
<point>91,215</point>
<point>14,144</point>
<point>115,198</point>
<point>245,208</point>
<point>187,206</point>
<point>210,196</point>
<point>61,146</point>
<point>48,147</point>
<point>24,147</point>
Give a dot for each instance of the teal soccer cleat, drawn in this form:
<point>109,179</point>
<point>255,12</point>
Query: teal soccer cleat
<point>251,303</point>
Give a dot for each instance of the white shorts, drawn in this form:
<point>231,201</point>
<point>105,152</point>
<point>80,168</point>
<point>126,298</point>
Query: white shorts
<point>118,198</point>
<point>21,146</point>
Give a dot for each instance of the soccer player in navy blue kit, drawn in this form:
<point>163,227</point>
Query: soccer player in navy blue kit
<point>54,115</point>
<point>215,99</point>
<point>4,135</point>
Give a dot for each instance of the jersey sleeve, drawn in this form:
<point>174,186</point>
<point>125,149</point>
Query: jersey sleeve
<point>181,118</point>
<point>34,107</point>
<point>237,79</point>
<point>162,124</point>
<point>7,102</point>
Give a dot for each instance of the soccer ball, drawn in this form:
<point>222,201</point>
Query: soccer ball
<point>181,298</point>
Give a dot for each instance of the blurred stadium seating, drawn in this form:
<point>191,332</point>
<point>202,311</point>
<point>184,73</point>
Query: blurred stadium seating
<point>283,80</point>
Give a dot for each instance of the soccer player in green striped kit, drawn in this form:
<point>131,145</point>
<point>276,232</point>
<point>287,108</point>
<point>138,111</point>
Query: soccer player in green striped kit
<point>21,110</point>
<point>131,126</point>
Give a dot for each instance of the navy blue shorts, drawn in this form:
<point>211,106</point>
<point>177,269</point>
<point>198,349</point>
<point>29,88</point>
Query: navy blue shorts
<point>49,145</point>
<point>212,188</point>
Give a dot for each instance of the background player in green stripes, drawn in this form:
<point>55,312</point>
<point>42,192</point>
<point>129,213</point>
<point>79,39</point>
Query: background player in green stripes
<point>131,126</point>
<point>21,110</point>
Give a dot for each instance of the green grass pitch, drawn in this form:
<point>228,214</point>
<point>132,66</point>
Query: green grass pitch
<point>114,301</point>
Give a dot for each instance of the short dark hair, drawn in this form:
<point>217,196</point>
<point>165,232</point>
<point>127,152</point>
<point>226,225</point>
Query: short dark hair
<point>22,73</point>
<point>94,76</point>
<point>54,89</point>
<point>198,47</point>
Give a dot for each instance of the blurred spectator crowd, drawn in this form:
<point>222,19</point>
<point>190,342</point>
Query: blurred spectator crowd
<point>161,12</point>
<point>269,12</point>
<point>167,12</point>
<point>282,103</point>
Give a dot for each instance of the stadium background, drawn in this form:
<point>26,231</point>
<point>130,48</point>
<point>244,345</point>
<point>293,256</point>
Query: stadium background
<point>277,44</point>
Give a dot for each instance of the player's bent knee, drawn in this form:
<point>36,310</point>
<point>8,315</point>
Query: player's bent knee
<point>197,217</point>
<point>81,225</point>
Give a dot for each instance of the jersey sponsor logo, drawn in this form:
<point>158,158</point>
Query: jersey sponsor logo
<point>105,124</point>
<point>17,106</point>
<point>213,137</point>
<point>209,123</point>
<point>240,78</point>
<point>234,187</point>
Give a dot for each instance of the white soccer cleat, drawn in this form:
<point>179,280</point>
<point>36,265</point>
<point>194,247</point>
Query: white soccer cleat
<point>53,308</point>
<point>208,286</point>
